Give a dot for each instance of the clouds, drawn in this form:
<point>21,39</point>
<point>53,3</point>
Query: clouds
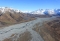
<point>26,11</point>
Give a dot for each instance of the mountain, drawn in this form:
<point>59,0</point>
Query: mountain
<point>5,9</point>
<point>57,11</point>
<point>11,16</point>
<point>46,12</point>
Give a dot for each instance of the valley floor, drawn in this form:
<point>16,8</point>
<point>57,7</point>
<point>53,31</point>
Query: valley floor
<point>23,31</point>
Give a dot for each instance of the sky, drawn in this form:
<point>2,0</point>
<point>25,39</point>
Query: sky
<point>30,5</point>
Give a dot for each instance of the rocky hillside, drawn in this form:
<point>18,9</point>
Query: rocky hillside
<point>54,28</point>
<point>10,16</point>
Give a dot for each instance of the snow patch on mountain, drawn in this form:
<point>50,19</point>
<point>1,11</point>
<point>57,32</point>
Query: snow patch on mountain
<point>7,9</point>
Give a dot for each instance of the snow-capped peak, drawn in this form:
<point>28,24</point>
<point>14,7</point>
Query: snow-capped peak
<point>4,9</point>
<point>44,11</point>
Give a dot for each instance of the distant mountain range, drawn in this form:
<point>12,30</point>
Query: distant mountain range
<point>39,11</point>
<point>46,12</point>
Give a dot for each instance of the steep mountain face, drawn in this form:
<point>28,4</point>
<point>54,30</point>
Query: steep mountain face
<point>57,11</point>
<point>46,12</point>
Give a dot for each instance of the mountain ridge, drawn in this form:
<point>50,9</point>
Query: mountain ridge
<point>10,16</point>
<point>39,11</point>
<point>46,11</point>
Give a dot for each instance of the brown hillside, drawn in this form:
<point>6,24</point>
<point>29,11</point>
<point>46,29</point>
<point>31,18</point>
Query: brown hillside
<point>54,28</point>
<point>11,18</point>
